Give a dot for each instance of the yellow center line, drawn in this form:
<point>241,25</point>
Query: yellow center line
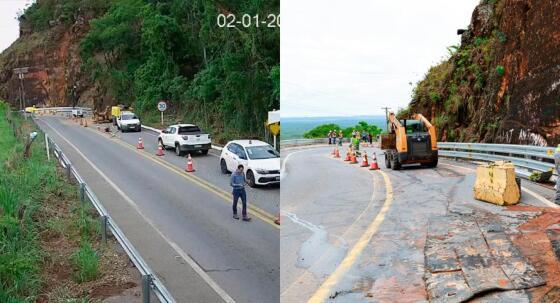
<point>324,291</point>
<point>352,227</point>
<point>254,210</point>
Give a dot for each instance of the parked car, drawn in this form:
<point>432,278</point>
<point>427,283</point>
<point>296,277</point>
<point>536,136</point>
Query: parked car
<point>261,161</point>
<point>128,121</point>
<point>185,138</point>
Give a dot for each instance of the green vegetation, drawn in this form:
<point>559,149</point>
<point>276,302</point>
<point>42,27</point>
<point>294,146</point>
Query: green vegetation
<point>322,131</point>
<point>87,262</point>
<point>224,79</point>
<point>41,16</point>
<point>33,197</point>
<point>452,89</point>
<point>139,52</point>
<point>500,70</point>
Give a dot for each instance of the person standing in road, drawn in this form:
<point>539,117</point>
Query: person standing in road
<point>340,138</point>
<point>330,137</point>
<point>356,142</point>
<point>557,163</point>
<point>237,182</point>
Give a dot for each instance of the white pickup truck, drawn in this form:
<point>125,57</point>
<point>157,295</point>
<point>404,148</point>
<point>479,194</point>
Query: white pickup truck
<point>185,138</point>
<point>128,121</point>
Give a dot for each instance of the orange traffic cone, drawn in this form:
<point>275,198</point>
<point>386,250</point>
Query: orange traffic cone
<point>189,167</point>
<point>365,162</point>
<point>140,144</point>
<point>160,150</point>
<point>333,151</point>
<point>353,159</point>
<point>347,156</point>
<point>337,153</point>
<point>374,165</point>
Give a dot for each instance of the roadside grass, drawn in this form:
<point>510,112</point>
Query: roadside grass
<point>33,196</point>
<point>87,262</point>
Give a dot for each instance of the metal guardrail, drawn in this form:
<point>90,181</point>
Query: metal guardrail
<point>150,282</point>
<point>298,142</point>
<point>86,110</point>
<point>527,157</point>
<point>531,158</point>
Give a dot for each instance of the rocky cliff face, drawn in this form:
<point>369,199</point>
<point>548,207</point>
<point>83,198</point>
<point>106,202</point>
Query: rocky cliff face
<point>54,77</point>
<point>502,84</point>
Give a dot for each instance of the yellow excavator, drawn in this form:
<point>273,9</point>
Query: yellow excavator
<point>410,141</point>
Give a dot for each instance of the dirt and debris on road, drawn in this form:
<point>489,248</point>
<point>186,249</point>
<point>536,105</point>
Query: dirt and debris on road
<point>506,256</point>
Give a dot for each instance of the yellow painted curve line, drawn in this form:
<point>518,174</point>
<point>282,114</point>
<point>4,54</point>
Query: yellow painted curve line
<point>255,211</point>
<point>352,227</point>
<point>326,288</point>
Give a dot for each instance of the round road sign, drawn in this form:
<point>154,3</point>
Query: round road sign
<point>162,106</point>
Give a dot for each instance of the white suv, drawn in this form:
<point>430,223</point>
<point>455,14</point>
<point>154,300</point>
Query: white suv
<point>185,138</point>
<point>261,161</point>
<point>128,121</point>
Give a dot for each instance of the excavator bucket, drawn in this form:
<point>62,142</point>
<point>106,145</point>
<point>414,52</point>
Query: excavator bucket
<point>388,141</point>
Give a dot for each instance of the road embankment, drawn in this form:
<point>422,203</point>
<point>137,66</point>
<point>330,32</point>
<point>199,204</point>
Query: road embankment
<point>50,248</point>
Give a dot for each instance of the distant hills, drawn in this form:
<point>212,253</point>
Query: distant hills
<point>294,128</point>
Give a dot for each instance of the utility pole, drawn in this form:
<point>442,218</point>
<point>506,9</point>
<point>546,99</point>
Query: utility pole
<point>386,117</point>
<point>21,71</point>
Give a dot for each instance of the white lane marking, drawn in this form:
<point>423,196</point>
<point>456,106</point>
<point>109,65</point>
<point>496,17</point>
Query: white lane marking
<point>174,245</point>
<point>530,192</point>
<point>283,172</point>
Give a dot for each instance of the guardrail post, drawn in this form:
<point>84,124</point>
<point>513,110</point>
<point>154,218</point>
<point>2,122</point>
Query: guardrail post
<point>47,147</point>
<point>83,192</point>
<point>146,281</point>
<point>104,229</point>
<point>69,171</point>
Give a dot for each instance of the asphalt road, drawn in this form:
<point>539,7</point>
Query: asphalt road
<point>181,225</point>
<point>207,168</point>
<point>354,235</point>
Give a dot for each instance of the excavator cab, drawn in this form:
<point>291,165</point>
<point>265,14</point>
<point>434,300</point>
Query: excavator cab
<point>410,141</point>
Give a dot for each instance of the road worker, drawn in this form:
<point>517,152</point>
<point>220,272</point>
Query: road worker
<point>330,137</point>
<point>340,138</point>
<point>356,142</point>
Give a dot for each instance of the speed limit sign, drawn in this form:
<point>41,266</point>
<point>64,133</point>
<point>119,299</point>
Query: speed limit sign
<point>162,106</point>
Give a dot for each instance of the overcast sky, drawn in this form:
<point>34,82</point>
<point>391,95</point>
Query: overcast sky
<point>9,26</point>
<point>343,58</point>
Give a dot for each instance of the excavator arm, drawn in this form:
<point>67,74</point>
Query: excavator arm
<point>431,129</point>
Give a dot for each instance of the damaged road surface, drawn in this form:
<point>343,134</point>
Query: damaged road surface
<point>435,243</point>
<point>469,255</point>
